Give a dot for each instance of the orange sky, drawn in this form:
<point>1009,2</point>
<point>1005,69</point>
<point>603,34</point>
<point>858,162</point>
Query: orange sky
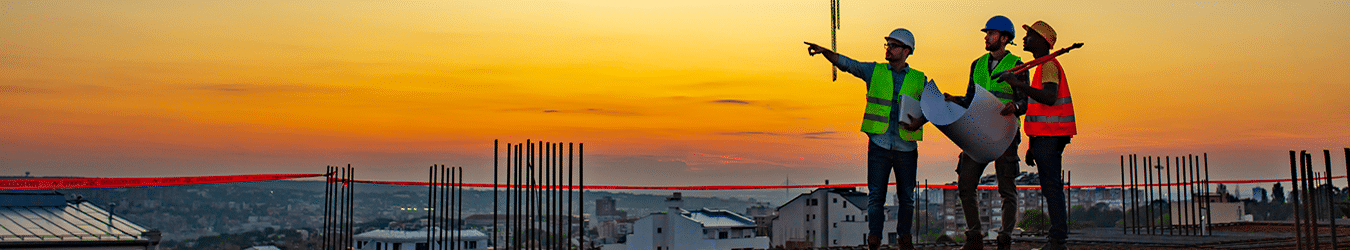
<point>662,92</point>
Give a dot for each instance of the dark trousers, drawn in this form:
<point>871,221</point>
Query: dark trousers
<point>1048,152</point>
<point>880,162</point>
<point>968,177</point>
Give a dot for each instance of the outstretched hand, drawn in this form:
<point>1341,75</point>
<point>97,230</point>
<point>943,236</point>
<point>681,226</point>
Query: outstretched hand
<point>813,49</point>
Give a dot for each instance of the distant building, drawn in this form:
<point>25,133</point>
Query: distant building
<point>46,220</point>
<point>417,240</point>
<point>991,204</point>
<point>614,231</point>
<point>825,217</point>
<point>677,229</point>
<point>1258,193</point>
<point>606,209</point>
<point>763,214</point>
<point>1187,212</point>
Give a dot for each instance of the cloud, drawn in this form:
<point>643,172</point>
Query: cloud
<point>582,111</point>
<point>822,135</point>
<point>732,101</point>
<point>20,89</point>
<point>748,133</point>
<point>267,88</point>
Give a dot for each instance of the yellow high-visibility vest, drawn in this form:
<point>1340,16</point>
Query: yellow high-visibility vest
<point>1002,90</point>
<point>876,119</point>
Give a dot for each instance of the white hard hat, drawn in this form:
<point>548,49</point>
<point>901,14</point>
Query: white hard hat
<point>904,36</point>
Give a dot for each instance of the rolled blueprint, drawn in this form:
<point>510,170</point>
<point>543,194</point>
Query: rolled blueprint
<point>980,131</point>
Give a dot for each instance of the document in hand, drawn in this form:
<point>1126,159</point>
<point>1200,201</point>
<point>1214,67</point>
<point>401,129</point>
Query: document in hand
<point>979,130</point>
<point>910,107</point>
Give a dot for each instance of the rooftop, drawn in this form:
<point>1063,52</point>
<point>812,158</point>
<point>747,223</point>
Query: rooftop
<point>38,220</point>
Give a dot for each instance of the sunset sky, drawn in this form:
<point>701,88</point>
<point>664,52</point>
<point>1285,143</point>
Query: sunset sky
<point>662,92</point>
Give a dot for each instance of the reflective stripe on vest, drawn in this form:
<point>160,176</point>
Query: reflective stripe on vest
<point>876,119</point>
<point>1051,120</point>
<point>982,77</point>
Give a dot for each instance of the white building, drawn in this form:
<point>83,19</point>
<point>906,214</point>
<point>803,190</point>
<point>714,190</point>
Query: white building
<point>825,217</point>
<point>417,240</point>
<point>677,229</point>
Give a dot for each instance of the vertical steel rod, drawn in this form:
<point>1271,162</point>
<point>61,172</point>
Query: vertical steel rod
<point>1209,210</point>
<point>1308,193</point>
<point>516,227</point>
<point>1195,193</point>
<point>1134,191</point>
<point>570,201</point>
<point>1293,183</point>
<point>1148,193</point>
<point>581,192</point>
<point>1157,178</point>
<point>1171,197</point>
<point>492,242</point>
<point>505,243</point>
<point>1123,228</point>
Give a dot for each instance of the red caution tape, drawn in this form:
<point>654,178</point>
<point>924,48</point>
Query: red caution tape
<point>73,183</point>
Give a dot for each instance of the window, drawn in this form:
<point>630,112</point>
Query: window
<point>836,225</point>
<point>835,200</point>
<point>379,246</point>
<point>722,235</point>
<point>397,246</point>
<point>658,230</point>
<point>473,245</point>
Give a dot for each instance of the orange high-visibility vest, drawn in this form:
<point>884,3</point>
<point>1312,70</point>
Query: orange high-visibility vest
<point>1051,120</point>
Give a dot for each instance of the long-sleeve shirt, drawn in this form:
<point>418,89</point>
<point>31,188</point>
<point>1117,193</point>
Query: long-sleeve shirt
<point>891,139</point>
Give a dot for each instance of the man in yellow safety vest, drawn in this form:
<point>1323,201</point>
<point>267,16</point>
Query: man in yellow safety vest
<point>892,135</point>
<point>998,34</point>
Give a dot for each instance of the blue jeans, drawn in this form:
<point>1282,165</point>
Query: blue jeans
<point>1048,152</point>
<point>880,162</point>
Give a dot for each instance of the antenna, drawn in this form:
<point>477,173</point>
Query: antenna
<point>834,27</point>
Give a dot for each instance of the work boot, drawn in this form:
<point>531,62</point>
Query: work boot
<point>873,242</point>
<point>1004,241</point>
<point>974,241</point>
<point>906,242</point>
<point>1053,245</point>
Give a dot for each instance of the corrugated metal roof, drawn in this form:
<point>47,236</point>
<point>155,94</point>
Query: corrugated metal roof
<point>719,218</point>
<point>73,222</point>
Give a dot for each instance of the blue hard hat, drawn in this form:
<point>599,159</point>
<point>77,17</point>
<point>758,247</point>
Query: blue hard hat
<point>1000,23</point>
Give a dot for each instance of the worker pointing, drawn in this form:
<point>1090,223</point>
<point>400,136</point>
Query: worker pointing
<point>892,137</point>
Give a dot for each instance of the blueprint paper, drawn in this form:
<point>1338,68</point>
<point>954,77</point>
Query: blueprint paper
<point>979,130</point>
<point>910,107</point>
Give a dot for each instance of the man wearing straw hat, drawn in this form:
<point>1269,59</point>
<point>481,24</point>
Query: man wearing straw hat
<point>1049,125</point>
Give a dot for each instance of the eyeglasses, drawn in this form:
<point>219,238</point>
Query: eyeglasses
<point>895,45</point>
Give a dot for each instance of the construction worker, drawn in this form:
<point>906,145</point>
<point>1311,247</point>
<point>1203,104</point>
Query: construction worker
<point>892,137</point>
<point>1049,125</point>
<point>998,34</point>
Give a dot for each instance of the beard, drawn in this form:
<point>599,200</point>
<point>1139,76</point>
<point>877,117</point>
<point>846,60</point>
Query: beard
<point>988,46</point>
